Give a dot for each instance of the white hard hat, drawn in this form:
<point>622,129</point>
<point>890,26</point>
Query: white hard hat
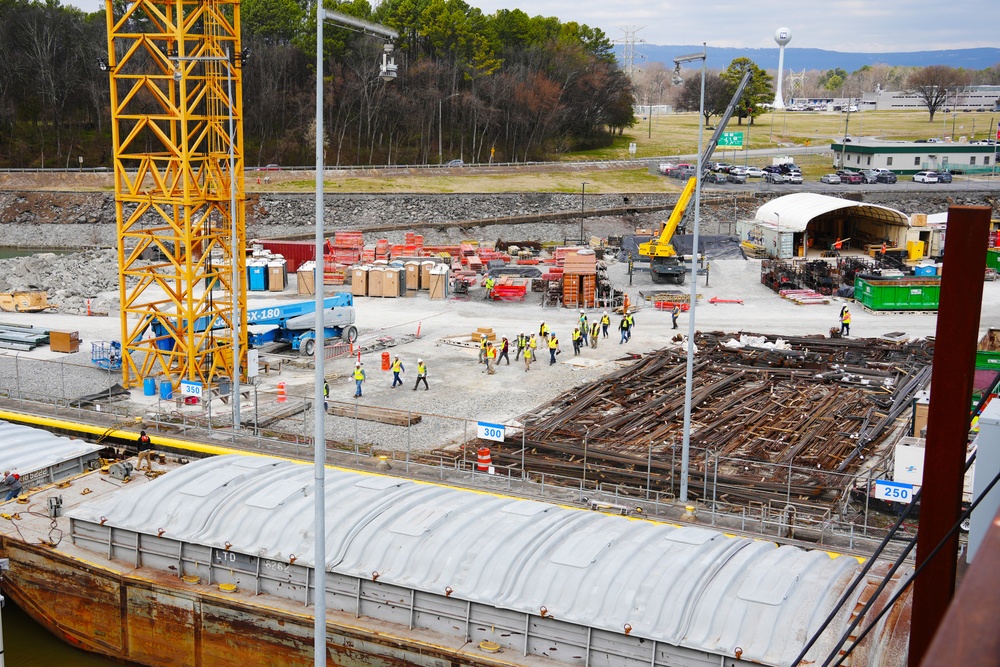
<point>358,364</point>
<point>605,312</point>
<point>581,310</point>
<point>397,356</point>
<point>420,361</point>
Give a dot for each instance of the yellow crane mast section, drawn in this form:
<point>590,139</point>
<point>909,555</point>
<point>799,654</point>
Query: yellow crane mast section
<point>175,84</point>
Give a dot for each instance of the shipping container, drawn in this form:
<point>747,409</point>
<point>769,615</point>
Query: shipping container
<point>294,252</point>
<point>881,293</point>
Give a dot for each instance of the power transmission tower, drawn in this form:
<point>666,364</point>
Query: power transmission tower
<point>629,52</point>
<point>796,82</point>
<point>177,124</point>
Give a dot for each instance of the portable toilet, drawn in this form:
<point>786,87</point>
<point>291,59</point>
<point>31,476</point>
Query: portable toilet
<point>412,275</point>
<point>391,279</point>
<point>425,274</point>
<point>359,281</point>
<point>277,274</point>
<point>375,279</point>
<point>257,275</point>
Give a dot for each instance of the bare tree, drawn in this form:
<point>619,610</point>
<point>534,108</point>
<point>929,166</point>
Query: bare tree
<point>934,84</point>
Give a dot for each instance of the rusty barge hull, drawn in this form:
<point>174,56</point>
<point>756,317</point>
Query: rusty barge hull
<point>155,622</point>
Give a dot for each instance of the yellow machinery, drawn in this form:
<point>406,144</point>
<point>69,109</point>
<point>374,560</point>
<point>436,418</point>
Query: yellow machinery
<point>664,264</point>
<point>176,92</point>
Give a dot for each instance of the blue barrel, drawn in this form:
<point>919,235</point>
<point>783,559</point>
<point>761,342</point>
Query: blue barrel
<point>166,390</point>
<point>149,387</point>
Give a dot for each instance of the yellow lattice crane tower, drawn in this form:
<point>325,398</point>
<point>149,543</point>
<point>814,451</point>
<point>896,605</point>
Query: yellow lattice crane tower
<point>176,110</point>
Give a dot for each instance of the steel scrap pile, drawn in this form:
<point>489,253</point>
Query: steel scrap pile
<point>777,419</point>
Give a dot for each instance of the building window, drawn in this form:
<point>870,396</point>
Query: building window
<point>916,161</point>
<point>868,160</point>
<point>972,160</point>
<point>888,162</point>
<point>986,159</point>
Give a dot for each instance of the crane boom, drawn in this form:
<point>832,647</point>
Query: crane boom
<point>664,265</point>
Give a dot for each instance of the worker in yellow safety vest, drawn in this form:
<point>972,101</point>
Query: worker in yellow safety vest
<point>544,331</point>
<point>491,356</point>
<point>595,331</point>
<point>522,342</point>
<point>397,368</point>
<point>553,348</point>
<point>529,353</point>
<point>359,377</point>
<point>482,348</point>
<point>845,322</point>
<point>488,284</point>
<point>421,375</point>
<point>605,323</point>
<point>577,341</point>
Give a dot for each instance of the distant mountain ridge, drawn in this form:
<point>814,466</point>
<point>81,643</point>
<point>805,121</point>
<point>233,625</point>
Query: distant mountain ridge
<point>799,59</point>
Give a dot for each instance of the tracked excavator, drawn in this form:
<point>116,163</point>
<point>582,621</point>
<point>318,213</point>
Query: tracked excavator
<point>665,265</point>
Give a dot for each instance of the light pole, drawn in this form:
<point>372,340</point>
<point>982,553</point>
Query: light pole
<point>689,375</point>
<point>583,196</point>
<point>440,110</point>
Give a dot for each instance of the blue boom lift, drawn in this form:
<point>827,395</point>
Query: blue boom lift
<point>293,323</point>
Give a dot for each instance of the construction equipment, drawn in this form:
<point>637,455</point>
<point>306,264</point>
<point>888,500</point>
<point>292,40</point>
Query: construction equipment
<point>292,323</point>
<point>33,301</point>
<point>665,266</point>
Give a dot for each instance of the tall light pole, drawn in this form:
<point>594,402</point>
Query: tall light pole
<point>440,110</point>
<point>689,375</point>
<point>583,196</point>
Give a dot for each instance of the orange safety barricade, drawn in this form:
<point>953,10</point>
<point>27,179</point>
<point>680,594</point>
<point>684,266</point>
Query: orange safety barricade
<point>282,397</point>
<point>385,361</point>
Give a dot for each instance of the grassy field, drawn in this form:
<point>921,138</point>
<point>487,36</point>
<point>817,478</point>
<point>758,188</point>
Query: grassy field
<point>672,134</point>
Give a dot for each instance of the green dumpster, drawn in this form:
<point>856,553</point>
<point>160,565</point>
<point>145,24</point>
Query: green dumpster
<point>903,293</point>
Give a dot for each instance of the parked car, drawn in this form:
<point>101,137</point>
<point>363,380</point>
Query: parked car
<point>742,171</point>
<point>850,177</point>
<point>685,173</point>
<point>832,179</point>
<point>886,177</point>
<point>771,168</point>
<point>454,163</point>
<point>665,167</point>
<point>736,177</point>
<point>722,167</point>
<point>925,177</point>
<point>716,177</point>
<point>789,168</point>
<point>270,167</point>
<point>869,176</point>
<point>794,178</point>
<point>754,172</point>
<point>774,177</point>
<point>935,140</point>
<point>944,177</point>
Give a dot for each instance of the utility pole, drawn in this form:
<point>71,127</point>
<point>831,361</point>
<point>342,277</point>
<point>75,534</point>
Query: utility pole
<point>583,197</point>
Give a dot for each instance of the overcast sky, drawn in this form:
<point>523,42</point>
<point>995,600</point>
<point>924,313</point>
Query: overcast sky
<point>842,25</point>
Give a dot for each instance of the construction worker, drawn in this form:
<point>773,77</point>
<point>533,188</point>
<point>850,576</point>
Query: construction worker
<point>837,246</point>
<point>421,375</point>
<point>631,326</point>
<point>605,323</point>
<point>482,348</point>
<point>674,312</point>
<point>397,368</point>
<point>577,341</point>
<point>145,447</point>
<point>845,321</point>
<point>529,354</point>
<point>544,331</point>
<point>504,350</point>
<point>359,377</point>
<point>488,284</point>
<point>532,346</point>
<point>625,305</point>
<point>595,331</point>
<point>584,327</point>
<point>553,348</point>
<point>14,486</point>
<point>326,395</point>
<point>491,356</point>
<point>522,342</point>
<point>623,328</point>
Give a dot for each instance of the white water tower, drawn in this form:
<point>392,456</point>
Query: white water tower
<point>782,36</point>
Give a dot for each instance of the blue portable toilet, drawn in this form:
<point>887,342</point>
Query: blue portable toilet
<point>257,275</point>
<point>149,387</point>
<point>166,390</point>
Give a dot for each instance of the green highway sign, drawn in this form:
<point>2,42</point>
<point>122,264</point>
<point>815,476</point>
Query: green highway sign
<point>731,140</point>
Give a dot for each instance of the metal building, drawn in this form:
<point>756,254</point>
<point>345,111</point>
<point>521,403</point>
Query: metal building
<point>535,579</point>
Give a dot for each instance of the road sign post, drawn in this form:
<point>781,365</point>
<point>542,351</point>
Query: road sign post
<point>731,140</point>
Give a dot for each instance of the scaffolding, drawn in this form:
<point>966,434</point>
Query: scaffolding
<point>176,109</point>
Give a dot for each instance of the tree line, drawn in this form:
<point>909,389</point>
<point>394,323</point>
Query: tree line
<point>503,87</point>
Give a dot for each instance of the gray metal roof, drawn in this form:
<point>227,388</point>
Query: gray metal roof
<point>25,449</point>
<point>795,211</point>
<point>685,585</point>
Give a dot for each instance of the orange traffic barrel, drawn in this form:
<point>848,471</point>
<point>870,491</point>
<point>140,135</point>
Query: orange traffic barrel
<point>385,361</point>
<point>483,459</point>
<point>281,392</point>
